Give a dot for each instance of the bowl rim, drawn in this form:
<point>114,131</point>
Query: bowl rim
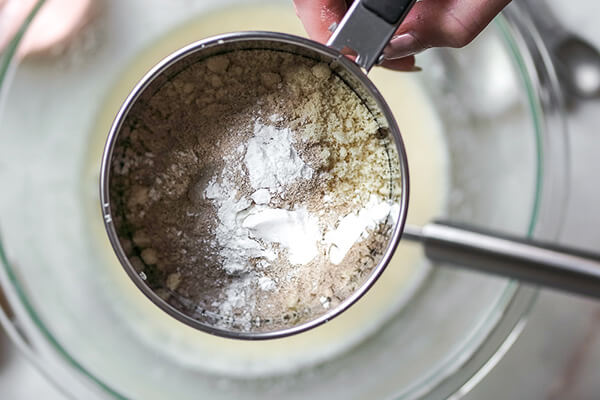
<point>545,97</point>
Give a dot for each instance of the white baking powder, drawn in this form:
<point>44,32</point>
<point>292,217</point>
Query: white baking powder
<point>272,161</point>
<point>236,245</point>
<point>251,233</point>
<point>295,230</point>
<point>355,227</point>
<point>248,228</point>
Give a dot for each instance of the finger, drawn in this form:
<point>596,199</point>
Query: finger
<point>318,15</point>
<point>406,64</point>
<point>442,23</point>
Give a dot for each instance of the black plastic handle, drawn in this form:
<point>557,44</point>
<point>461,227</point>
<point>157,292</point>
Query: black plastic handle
<point>391,11</point>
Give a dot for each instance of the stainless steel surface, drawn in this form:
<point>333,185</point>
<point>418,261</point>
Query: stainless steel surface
<point>580,62</point>
<point>533,262</point>
<point>577,61</point>
<point>347,70</point>
<point>365,32</point>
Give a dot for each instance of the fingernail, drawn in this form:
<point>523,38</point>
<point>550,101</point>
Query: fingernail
<point>415,68</point>
<point>403,45</point>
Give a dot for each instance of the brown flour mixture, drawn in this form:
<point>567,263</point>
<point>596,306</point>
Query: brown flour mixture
<point>236,186</point>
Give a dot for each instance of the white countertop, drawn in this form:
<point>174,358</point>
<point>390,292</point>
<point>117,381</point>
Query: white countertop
<point>558,354</point>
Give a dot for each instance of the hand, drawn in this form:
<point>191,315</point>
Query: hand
<point>430,23</point>
<point>55,25</point>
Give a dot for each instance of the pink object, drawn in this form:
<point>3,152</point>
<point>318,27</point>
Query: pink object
<point>57,22</point>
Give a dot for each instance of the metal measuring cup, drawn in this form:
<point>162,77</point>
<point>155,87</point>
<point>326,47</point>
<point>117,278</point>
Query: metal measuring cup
<point>365,30</point>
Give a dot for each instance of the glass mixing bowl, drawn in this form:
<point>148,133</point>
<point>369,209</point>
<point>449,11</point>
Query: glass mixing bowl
<point>88,329</point>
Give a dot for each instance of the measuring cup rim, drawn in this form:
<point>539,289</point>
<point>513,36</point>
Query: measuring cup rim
<point>219,40</point>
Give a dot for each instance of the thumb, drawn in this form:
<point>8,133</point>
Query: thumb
<point>318,15</point>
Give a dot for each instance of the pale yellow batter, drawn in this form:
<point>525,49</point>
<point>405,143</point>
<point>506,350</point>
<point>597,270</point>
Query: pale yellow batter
<point>422,134</point>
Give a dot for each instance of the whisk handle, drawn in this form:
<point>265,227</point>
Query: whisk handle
<point>539,263</point>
